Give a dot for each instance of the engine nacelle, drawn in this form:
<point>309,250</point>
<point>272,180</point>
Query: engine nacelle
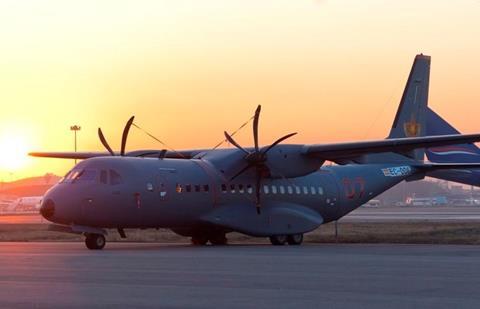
<point>283,161</point>
<point>290,161</point>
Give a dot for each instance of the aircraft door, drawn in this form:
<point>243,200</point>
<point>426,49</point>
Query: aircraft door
<point>330,189</point>
<point>162,191</point>
<point>105,199</point>
<point>213,193</point>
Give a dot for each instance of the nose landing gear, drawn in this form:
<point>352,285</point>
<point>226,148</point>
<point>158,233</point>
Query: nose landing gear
<point>95,241</point>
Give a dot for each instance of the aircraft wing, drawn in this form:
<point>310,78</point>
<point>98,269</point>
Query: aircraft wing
<point>336,151</point>
<point>183,154</point>
<point>69,155</point>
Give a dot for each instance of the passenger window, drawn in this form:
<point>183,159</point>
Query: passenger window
<point>265,189</point>
<point>224,188</point>
<point>115,178</point>
<point>188,188</point>
<point>206,188</point>
<point>297,190</point>
<point>282,189</point>
<point>103,176</point>
<point>240,188</point>
<point>179,188</point>
<point>312,190</point>
<point>249,189</point>
<point>149,187</point>
<point>197,188</point>
<point>232,188</point>
<point>274,189</point>
<point>305,190</point>
<point>289,189</point>
<point>320,190</point>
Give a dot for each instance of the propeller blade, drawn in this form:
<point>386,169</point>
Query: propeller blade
<point>104,142</point>
<point>243,170</point>
<point>255,126</point>
<point>125,135</point>
<point>233,142</point>
<point>278,141</point>
<point>257,190</point>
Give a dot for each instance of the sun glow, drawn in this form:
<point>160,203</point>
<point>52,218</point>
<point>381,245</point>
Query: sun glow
<point>13,152</point>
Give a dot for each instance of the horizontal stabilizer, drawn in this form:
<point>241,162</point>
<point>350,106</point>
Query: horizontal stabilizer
<point>447,166</point>
<point>467,153</point>
<point>336,151</point>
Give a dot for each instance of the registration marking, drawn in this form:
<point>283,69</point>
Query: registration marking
<point>397,171</point>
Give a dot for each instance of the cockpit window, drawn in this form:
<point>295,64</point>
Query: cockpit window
<point>115,178</point>
<point>86,175</point>
<point>64,178</point>
<point>80,175</point>
<point>70,176</point>
<point>103,177</point>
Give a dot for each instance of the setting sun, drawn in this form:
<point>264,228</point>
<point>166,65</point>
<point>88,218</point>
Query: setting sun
<point>13,151</point>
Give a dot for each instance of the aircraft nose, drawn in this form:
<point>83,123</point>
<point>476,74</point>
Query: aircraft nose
<point>47,210</point>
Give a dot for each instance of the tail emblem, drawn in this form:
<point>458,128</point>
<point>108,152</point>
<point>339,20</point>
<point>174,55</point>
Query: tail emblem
<point>412,128</point>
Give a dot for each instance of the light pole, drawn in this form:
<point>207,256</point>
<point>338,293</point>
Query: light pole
<point>75,128</point>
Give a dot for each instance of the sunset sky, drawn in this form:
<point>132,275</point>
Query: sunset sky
<point>332,70</point>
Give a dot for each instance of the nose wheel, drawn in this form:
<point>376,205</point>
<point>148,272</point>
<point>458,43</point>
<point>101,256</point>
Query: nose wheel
<point>95,241</point>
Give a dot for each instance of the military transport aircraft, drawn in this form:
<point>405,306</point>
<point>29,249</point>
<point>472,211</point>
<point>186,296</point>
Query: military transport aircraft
<point>280,191</point>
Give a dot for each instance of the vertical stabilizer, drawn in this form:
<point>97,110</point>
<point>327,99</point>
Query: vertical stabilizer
<point>410,120</point>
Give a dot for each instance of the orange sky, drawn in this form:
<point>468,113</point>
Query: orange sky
<point>331,70</point>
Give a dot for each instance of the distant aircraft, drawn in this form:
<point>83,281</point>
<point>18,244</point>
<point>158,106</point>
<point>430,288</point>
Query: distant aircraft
<point>466,153</point>
<point>280,191</point>
<point>28,203</point>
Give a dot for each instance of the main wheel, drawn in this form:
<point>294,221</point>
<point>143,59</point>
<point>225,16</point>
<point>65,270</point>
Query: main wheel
<point>278,240</point>
<point>199,240</point>
<point>218,239</point>
<point>295,239</point>
<point>95,241</point>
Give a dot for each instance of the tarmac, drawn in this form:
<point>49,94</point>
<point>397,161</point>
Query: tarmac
<point>133,275</point>
<point>409,213</point>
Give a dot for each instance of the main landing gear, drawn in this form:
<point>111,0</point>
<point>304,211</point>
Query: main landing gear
<point>217,239</point>
<point>280,240</point>
<point>95,241</point>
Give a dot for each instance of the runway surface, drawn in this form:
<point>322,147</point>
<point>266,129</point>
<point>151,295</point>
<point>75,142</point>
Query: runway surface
<point>49,275</point>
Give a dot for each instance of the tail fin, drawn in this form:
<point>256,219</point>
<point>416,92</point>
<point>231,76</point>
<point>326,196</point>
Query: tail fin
<point>464,153</point>
<point>410,119</point>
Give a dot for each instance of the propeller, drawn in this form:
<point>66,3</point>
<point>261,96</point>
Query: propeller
<point>257,158</point>
<point>124,138</point>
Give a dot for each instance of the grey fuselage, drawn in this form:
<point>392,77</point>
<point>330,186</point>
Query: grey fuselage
<point>183,194</point>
